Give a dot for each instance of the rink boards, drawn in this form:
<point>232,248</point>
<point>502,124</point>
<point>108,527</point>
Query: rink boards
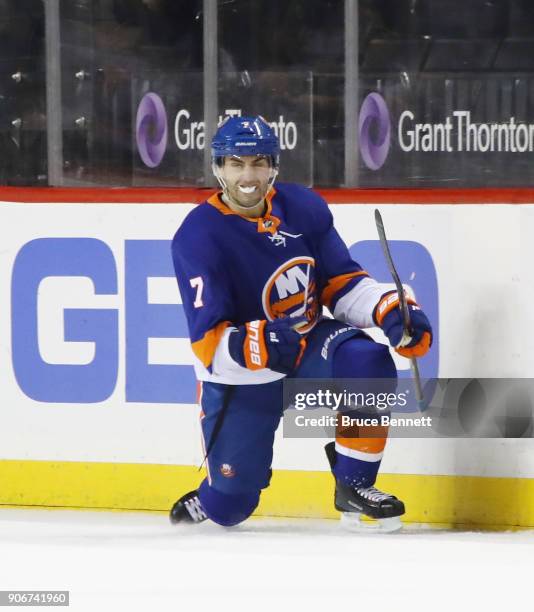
<point>97,391</point>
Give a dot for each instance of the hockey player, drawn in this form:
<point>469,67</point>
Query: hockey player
<point>256,263</point>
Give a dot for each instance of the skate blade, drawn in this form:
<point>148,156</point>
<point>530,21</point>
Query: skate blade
<point>351,521</point>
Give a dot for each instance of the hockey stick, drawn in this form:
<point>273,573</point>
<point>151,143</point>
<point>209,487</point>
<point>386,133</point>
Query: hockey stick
<point>228,393</point>
<point>407,324</point>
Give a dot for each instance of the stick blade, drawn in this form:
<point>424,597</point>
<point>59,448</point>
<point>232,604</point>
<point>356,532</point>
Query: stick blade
<point>378,221</point>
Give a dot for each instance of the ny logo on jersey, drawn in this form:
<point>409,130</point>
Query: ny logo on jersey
<point>291,291</point>
<point>279,238</point>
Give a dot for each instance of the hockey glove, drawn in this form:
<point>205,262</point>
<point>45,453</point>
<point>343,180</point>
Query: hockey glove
<point>387,315</point>
<point>268,344</point>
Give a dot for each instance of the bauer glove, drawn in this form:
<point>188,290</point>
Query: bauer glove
<point>268,344</point>
<point>388,316</point>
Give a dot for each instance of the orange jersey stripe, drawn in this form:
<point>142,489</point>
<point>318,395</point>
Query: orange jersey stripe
<point>337,283</point>
<point>205,348</point>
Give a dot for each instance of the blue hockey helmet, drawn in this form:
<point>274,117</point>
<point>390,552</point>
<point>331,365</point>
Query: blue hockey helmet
<point>245,136</point>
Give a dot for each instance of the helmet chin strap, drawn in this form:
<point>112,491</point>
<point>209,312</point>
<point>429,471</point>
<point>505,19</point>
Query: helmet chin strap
<point>228,197</point>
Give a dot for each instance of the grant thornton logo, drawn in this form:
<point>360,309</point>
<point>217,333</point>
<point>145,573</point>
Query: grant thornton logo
<point>374,131</point>
<point>151,130</point>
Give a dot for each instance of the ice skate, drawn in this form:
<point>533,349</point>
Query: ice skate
<point>353,502</point>
<point>188,509</point>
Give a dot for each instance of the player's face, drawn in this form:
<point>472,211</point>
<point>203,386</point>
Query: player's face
<point>247,178</point>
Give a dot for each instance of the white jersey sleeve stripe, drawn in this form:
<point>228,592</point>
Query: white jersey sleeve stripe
<point>356,307</point>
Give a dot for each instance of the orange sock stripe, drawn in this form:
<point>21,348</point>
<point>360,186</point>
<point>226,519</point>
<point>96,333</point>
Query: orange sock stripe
<point>370,439</point>
<point>364,445</point>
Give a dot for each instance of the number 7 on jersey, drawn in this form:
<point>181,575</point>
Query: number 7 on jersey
<point>197,283</point>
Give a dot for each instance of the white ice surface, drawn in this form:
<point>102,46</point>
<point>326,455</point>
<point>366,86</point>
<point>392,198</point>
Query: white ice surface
<point>127,561</point>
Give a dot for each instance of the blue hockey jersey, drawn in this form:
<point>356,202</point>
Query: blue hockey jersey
<point>232,269</point>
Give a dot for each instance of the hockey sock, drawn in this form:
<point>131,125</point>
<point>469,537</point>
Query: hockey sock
<point>357,468</point>
<point>359,448</point>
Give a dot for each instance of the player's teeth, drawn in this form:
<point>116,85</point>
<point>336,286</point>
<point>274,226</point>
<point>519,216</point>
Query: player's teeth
<point>247,189</point>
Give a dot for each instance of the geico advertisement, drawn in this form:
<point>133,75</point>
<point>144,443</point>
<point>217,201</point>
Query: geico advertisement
<point>83,306</point>
<point>94,348</point>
